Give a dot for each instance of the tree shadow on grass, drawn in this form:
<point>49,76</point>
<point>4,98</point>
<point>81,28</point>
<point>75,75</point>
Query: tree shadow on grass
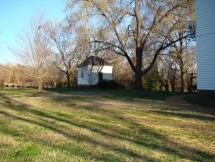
<point>79,138</point>
<point>137,134</point>
<point>186,115</point>
<point>70,135</point>
<point>126,96</point>
<point>149,138</point>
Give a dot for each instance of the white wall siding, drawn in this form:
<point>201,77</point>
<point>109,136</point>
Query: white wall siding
<point>91,74</point>
<point>107,69</point>
<point>82,80</point>
<point>93,78</point>
<point>205,17</point>
<point>107,76</point>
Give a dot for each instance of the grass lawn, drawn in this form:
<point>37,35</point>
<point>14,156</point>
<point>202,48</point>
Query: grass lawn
<point>101,126</point>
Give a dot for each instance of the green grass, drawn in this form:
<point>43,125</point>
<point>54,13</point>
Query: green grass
<point>101,126</point>
<point>17,91</point>
<point>28,151</point>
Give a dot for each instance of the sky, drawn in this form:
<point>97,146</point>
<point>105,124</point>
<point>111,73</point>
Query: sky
<point>16,17</point>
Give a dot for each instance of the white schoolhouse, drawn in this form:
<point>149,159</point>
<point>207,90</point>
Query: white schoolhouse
<point>93,70</point>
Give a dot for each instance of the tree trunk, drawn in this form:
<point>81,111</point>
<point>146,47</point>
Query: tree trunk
<point>55,84</point>
<point>161,84</point>
<point>173,86</point>
<point>182,78</point>
<point>166,85</point>
<point>40,85</point>
<point>161,80</point>
<point>182,64</point>
<point>182,82</point>
<point>190,83</point>
<point>68,80</point>
<point>138,72</point>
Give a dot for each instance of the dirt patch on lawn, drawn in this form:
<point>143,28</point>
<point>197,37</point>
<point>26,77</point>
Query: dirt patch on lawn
<point>65,95</point>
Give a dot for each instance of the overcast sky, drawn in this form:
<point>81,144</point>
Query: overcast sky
<point>15,18</point>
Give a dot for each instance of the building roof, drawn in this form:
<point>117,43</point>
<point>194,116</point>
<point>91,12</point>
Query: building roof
<point>93,60</point>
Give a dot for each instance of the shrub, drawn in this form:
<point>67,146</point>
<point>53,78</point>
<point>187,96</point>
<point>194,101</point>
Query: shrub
<point>109,84</point>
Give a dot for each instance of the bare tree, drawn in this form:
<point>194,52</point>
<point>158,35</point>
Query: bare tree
<point>68,49</point>
<point>170,68</point>
<point>133,29</point>
<point>35,53</point>
<point>179,49</point>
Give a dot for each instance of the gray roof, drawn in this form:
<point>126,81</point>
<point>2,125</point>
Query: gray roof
<point>93,60</point>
